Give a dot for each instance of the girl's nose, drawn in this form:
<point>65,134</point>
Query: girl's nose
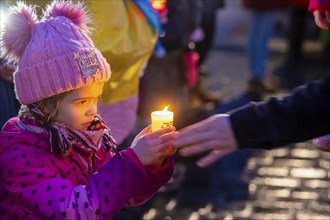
<point>92,110</point>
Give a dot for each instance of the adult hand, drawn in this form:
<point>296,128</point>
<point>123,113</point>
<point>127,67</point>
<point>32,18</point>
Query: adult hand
<point>153,147</point>
<point>322,18</point>
<point>213,134</point>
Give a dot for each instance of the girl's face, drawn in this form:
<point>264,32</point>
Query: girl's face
<point>78,108</point>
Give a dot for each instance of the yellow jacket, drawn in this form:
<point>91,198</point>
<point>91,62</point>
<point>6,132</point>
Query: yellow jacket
<point>126,40</point>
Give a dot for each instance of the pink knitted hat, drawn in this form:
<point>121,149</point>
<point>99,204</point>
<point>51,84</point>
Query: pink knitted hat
<point>54,54</point>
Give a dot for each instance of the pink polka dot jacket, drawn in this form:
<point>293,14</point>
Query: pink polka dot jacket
<point>36,184</point>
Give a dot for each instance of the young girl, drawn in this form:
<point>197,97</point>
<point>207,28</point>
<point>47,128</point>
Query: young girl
<point>57,159</point>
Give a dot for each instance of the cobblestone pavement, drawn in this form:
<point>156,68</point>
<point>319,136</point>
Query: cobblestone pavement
<point>291,182</point>
<point>286,183</point>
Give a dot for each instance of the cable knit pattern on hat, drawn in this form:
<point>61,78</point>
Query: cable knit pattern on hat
<point>54,54</point>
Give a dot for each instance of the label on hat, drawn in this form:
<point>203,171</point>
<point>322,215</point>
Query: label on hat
<point>88,62</point>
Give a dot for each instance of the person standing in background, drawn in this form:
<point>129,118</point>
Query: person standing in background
<point>263,17</point>
<point>207,24</point>
<point>206,27</point>
<point>299,26</point>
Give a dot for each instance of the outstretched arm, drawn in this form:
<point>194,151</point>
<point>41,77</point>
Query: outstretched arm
<point>298,117</point>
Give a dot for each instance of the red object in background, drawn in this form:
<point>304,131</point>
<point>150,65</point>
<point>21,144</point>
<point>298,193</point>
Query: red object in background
<point>190,60</point>
<point>159,5</point>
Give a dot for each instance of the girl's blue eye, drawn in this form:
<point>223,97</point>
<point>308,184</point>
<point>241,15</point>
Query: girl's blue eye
<point>83,101</point>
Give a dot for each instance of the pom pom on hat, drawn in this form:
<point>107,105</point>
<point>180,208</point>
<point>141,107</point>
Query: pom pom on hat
<point>75,12</point>
<point>54,54</point>
<point>16,36</point>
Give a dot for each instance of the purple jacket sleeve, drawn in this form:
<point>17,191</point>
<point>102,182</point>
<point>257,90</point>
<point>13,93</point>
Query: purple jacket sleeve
<point>143,181</point>
<point>123,180</point>
<point>303,115</point>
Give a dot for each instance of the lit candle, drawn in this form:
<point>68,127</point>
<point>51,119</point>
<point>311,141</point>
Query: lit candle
<point>161,119</point>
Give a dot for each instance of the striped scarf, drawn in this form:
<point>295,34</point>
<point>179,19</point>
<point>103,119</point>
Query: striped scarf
<point>62,139</point>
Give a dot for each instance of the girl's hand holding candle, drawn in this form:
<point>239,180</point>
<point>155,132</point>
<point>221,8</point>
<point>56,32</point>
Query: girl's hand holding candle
<point>153,143</point>
<point>152,147</point>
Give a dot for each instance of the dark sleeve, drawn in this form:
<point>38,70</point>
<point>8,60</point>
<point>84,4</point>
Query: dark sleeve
<point>303,115</point>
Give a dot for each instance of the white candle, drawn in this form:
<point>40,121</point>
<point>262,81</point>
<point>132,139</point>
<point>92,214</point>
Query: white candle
<point>161,119</point>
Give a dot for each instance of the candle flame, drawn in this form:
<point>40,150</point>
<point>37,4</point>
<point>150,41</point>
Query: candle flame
<point>165,109</point>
